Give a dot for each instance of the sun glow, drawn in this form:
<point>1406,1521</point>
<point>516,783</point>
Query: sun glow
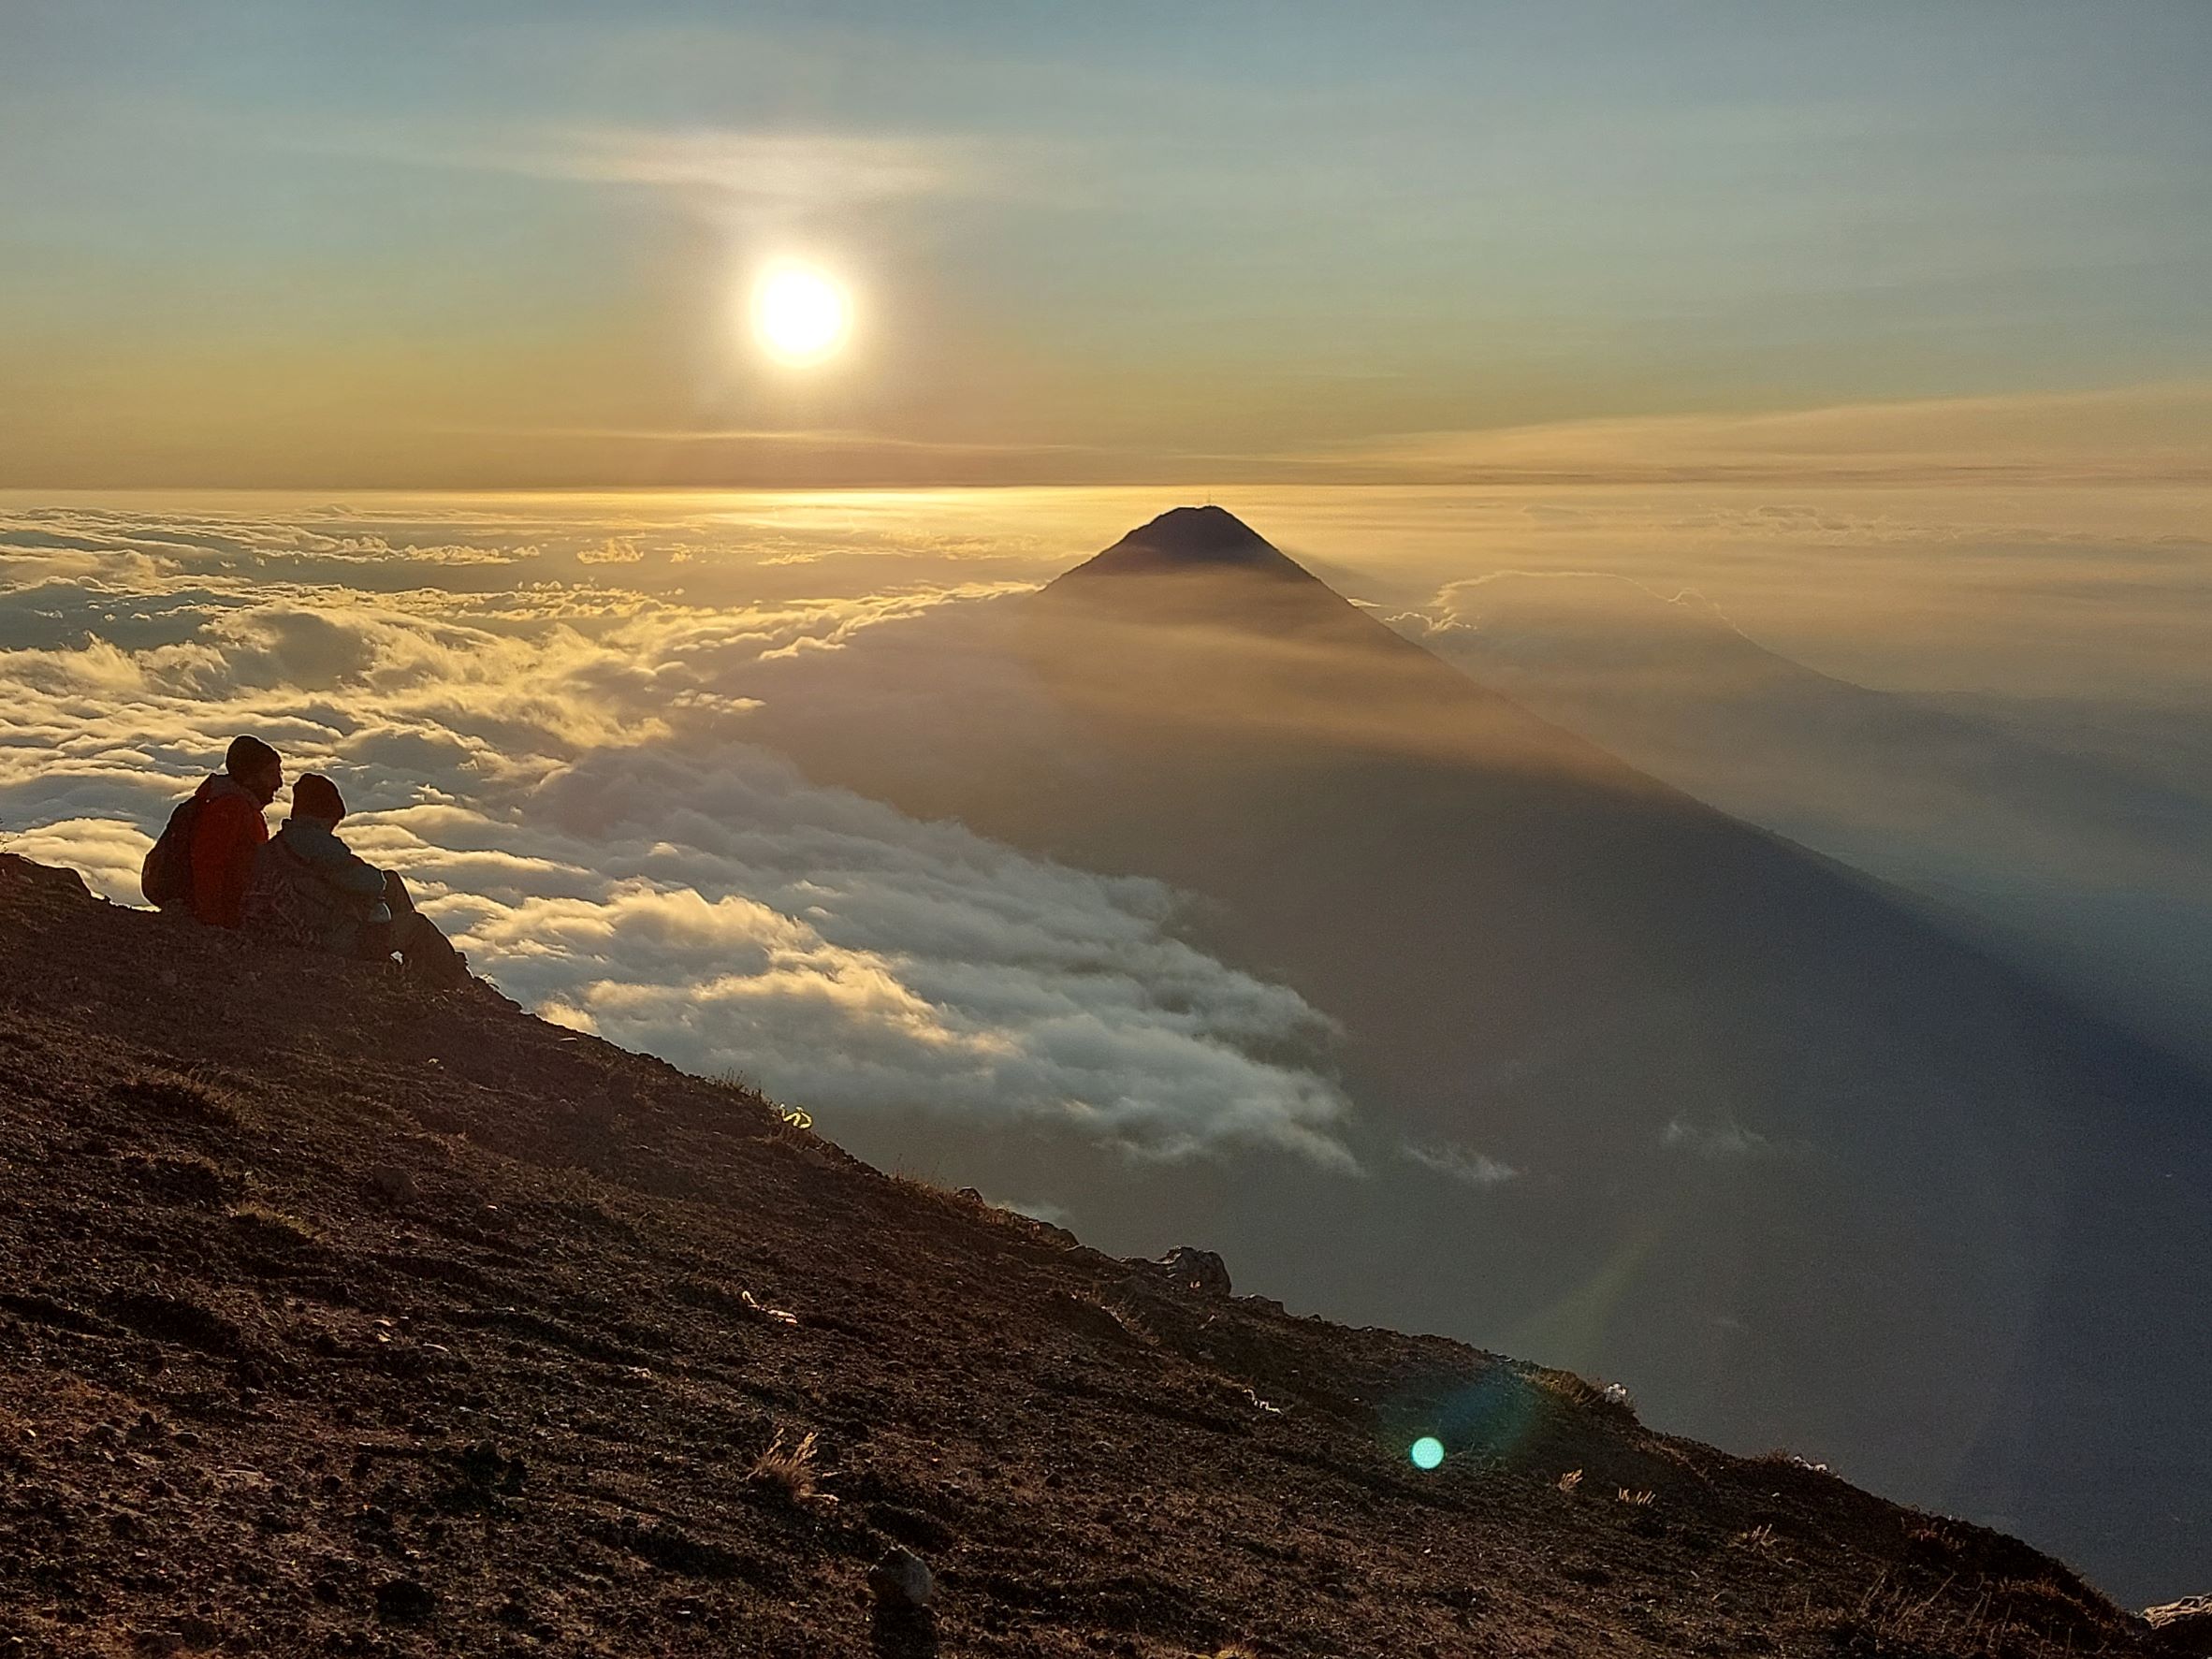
<point>799,313</point>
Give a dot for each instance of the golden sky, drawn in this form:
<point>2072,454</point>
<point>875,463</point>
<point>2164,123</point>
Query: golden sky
<point>262,244</point>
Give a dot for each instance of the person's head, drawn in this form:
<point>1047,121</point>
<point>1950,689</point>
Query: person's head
<point>255,767</point>
<point>315,796</point>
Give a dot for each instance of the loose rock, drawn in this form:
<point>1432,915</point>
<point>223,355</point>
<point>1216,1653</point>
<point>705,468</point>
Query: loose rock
<point>1201,1272</point>
<point>397,1186</point>
<point>902,1580</point>
<point>404,1600</point>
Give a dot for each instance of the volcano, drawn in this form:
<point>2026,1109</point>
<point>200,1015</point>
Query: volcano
<point>1186,540</point>
<point>1643,1089</point>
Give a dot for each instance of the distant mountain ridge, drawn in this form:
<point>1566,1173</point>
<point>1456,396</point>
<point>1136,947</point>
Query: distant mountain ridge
<point>2093,866</point>
<point>1751,1130</point>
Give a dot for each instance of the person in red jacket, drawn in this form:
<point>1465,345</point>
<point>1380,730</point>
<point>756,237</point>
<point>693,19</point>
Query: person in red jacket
<point>228,830</point>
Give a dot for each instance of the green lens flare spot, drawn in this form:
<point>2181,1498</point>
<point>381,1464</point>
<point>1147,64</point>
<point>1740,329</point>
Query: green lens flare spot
<point>1428,1451</point>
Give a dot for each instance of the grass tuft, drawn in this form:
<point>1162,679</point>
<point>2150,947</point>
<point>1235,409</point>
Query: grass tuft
<point>786,1469</point>
<point>1599,1398</point>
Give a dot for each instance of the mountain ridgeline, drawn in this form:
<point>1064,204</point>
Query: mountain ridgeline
<point>1641,1089</point>
<point>343,1317</point>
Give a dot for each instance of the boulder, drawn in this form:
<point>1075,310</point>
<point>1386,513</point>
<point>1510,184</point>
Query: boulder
<point>902,1582</point>
<point>1201,1272</point>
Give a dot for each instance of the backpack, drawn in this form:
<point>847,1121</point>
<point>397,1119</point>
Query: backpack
<point>289,903</point>
<point>165,877</point>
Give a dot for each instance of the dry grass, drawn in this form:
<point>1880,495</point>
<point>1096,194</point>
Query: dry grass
<point>2003,1618</point>
<point>1569,1481</point>
<point>786,1469</point>
<point>1600,1399</point>
<point>796,1118</point>
<point>570,1184</point>
<point>1783,1456</point>
<point>774,1316</point>
<point>737,1082</point>
<point>1639,1499</point>
<point>927,1186</point>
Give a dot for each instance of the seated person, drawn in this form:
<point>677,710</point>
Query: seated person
<point>311,889</point>
<point>228,832</point>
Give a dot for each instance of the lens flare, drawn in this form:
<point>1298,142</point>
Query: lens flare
<point>1427,1452</point>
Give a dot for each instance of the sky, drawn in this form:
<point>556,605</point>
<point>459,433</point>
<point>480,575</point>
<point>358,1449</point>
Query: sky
<point>256,243</point>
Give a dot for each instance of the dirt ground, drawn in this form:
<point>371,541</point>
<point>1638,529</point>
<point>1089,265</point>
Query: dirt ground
<point>341,1317</point>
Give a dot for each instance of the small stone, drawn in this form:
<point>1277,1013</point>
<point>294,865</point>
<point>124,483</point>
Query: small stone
<point>404,1600</point>
<point>902,1580</point>
<point>397,1186</point>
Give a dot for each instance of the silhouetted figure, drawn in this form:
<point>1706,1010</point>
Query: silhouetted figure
<point>311,890</point>
<point>205,856</point>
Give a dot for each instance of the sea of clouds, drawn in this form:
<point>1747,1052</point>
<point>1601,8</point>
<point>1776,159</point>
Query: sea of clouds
<point>546,710</point>
<point>543,718</point>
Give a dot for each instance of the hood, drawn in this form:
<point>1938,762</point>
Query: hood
<point>221,783</point>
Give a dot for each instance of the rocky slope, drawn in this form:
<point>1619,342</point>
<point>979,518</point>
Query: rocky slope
<point>340,1318</point>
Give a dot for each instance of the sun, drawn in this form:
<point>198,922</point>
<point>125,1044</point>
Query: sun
<point>800,314</point>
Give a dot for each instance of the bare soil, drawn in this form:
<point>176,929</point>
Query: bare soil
<point>338,1317</point>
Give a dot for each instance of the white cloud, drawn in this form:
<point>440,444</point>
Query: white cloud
<point>745,171</point>
<point>1460,1163</point>
<point>565,775</point>
<point>1725,1140</point>
<point>2148,434</point>
<point>807,170</point>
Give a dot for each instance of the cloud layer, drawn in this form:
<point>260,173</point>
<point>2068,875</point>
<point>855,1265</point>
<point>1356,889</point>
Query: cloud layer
<point>562,768</point>
<point>2156,433</point>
